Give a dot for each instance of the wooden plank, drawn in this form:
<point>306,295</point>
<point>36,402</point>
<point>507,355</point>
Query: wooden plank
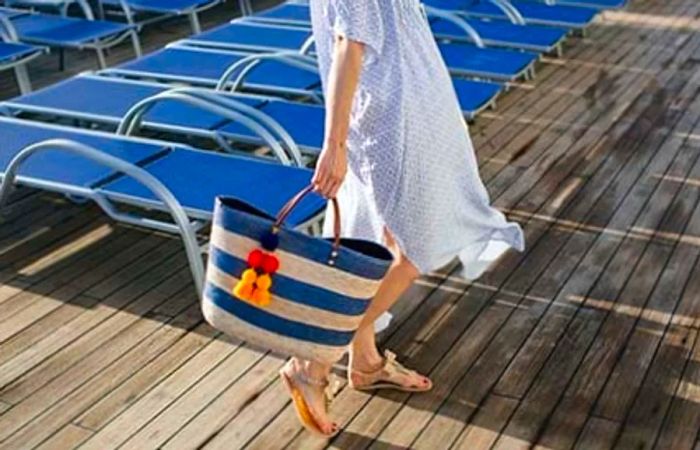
<point>599,434</point>
<point>26,253</point>
<point>143,379</point>
<point>29,218</point>
<point>620,389</point>
<point>244,399</point>
<point>4,407</point>
<point>27,410</point>
<point>76,362</point>
<point>524,367</point>
<point>166,343</point>
<point>44,298</point>
<point>543,396</point>
<point>646,414</point>
<point>611,334</point>
<point>465,350</point>
<point>429,436</point>
<point>70,308</point>
<point>552,167</point>
<point>477,382</point>
<point>531,134</point>
<point>571,413</point>
<point>47,238</point>
<point>591,376</point>
<point>496,144</point>
<point>487,424</point>
<point>662,365</point>
<point>161,396</point>
<point>70,436</point>
<point>25,373</point>
<point>260,410</point>
<point>682,423</point>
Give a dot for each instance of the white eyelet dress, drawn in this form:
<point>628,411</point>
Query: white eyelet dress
<point>412,164</point>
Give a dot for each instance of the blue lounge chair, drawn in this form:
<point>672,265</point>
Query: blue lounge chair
<point>160,9</point>
<point>521,11</point>
<point>15,55</point>
<point>280,75</point>
<point>270,74</point>
<point>462,59</point>
<point>250,119</point>
<point>447,25</point>
<point>70,32</point>
<point>493,33</point>
<point>115,171</point>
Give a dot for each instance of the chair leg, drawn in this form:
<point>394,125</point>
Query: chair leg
<point>136,43</point>
<point>101,60</point>
<point>22,75</point>
<point>194,22</point>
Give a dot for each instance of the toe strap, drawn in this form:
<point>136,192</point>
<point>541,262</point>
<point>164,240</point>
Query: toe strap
<point>391,375</point>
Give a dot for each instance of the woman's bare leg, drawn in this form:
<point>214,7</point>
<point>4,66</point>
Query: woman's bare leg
<point>364,355</point>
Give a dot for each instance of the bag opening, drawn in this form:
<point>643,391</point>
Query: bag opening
<point>367,248</point>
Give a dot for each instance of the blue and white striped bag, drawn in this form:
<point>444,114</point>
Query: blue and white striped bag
<point>318,296</point>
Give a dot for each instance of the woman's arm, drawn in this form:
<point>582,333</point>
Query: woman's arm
<point>342,83</point>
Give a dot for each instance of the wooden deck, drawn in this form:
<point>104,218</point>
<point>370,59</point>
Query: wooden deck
<point>590,339</point>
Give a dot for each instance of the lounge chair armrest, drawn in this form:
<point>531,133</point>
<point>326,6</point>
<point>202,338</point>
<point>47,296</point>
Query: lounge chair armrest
<point>87,10</point>
<point>245,7</point>
<point>272,125</point>
<point>161,192</point>
<point>128,12</point>
<point>8,30</point>
<point>460,22</point>
<point>243,67</point>
<point>510,11</point>
<point>228,109</point>
<point>307,45</point>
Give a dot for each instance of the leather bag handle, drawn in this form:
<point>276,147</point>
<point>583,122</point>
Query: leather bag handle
<point>291,204</point>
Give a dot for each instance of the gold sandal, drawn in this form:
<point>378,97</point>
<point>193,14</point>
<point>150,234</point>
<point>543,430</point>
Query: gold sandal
<point>293,382</point>
<point>389,376</point>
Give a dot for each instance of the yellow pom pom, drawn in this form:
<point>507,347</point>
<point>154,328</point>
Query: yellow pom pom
<point>249,276</point>
<point>261,297</point>
<point>243,290</point>
<point>264,282</point>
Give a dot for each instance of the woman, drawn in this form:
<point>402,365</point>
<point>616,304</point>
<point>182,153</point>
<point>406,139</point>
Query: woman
<point>398,156</point>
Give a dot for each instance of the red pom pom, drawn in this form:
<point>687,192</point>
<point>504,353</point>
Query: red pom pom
<point>255,259</point>
<point>270,264</point>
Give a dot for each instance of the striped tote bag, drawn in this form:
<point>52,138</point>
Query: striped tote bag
<point>286,291</point>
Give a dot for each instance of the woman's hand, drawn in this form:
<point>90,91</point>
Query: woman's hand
<point>331,168</point>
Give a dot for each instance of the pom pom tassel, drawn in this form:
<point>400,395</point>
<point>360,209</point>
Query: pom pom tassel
<point>256,281</point>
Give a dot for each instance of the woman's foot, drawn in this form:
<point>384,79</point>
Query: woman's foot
<point>384,373</point>
<point>310,398</point>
